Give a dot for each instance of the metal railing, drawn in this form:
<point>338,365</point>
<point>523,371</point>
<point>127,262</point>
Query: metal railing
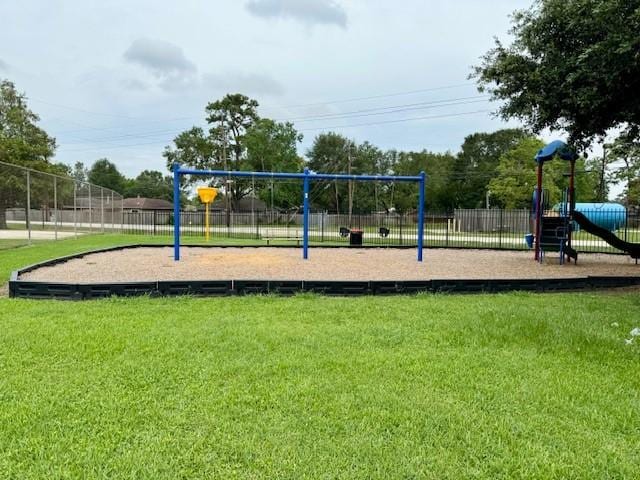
<point>36,206</point>
<point>462,228</point>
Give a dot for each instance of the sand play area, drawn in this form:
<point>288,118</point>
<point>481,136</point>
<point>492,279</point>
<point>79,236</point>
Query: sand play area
<point>264,263</point>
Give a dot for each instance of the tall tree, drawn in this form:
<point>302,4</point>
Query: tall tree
<point>516,177</point>
<point>106,174</point>
<point>151,184</point>
<point>22,142</point>
<point>272,147</point>
<point>573,65</point>
<point>79,172</point>
<point>234,124</point>
<point>476,165</point>
<point>439,196</point>
<point>330,153</point>
<point>625,151</point>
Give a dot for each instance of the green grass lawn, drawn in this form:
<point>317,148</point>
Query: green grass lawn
<point>427,386</point>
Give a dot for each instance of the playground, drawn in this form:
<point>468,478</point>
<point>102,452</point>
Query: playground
<point>357,269</point>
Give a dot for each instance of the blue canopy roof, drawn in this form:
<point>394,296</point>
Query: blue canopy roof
<point>557,147</point>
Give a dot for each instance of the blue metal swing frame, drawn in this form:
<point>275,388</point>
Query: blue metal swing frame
<point>307,177</point>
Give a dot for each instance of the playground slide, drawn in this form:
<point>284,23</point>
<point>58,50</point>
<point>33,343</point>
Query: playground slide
<point>633,249</point>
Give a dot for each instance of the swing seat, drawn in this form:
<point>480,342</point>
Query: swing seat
<point>344,232</point>
<point>384,232</point>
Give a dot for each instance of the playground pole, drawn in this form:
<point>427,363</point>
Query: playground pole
<point>572,200</point>
<point>206,212</point>
<point>176,212</point>
<point>305,215</point>
<point>538,208</point>
<point>421,215</point>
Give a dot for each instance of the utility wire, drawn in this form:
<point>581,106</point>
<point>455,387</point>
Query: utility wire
<point>337,116</point>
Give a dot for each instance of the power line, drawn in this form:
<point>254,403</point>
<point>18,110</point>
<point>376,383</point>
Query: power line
<point>330,102</point>
<point>372,97</point>
<point>353,114</point>
<point>428,117</point>
<point>395,121</point>
<point>392,109</point>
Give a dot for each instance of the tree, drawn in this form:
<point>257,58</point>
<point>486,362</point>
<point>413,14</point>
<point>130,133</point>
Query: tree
<point>439,196</point>
<point>151,184</point>
<point>105,174</point>
<point>573,65</point>
<point>334,153</point>
<point>476,163</point>
<point>234,125</point>
<point>272,147</point>
<point>23,143</point>
<point>516,180</point>
<point>625,151</point>
<point>79,172</point>
<point>329,154</point>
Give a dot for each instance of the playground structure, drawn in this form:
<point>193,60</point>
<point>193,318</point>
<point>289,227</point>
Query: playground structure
<point>554,232</point>
<point>307,177</point>
<point>207,195</point>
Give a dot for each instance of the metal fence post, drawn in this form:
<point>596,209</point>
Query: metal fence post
<point>28,213</point>
<point>155,213</point>
<point>90,213</point>
<point>102,209</point>
<point>500,229</point>
<point>55,207</point>
<point>446,237</point>
<point>112,212</point>
<point>75,209</point>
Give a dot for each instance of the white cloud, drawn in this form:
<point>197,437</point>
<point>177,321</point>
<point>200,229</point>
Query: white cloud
<point>3,66</point>
<point>305,11</point>
<point>165,61</point>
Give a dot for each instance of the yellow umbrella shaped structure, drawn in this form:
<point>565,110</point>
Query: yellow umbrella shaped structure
<point>207,195</point>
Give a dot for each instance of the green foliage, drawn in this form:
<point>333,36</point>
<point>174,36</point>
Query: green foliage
<point>439,197</point>
<point>106,174</point>
<point>573,65</point>
<point>476,164</point>
<point>516,179</point>
<point>334,153</point>
<point>516,176</point>
<point>272,147</point>
<point>150,184</point>
<point>23,143</point>
<point>79,172</point>
<point>237,140</point>
<point>625,151</point>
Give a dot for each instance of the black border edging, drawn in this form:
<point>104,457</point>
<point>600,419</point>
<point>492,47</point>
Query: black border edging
<point>78,291</point>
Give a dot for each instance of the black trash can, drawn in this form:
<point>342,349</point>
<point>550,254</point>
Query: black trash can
<point>355,238</point>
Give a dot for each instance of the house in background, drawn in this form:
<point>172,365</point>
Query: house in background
<point>141,204</point>
<point>245,204</point>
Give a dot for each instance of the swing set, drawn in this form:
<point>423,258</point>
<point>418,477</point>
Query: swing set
<point>307,177</point>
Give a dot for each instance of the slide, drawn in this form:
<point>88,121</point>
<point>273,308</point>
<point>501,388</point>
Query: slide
<point>633,249</point>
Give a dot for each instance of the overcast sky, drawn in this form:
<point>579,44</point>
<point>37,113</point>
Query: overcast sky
<point>119,79</point>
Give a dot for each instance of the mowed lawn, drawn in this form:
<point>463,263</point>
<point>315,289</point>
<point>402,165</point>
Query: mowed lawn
<point>427,386</point>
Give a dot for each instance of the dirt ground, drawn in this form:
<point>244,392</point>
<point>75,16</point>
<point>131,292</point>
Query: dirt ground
<point>259,263</point>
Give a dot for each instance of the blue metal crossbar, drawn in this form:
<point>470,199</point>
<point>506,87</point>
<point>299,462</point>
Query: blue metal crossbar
<point>307,177</point>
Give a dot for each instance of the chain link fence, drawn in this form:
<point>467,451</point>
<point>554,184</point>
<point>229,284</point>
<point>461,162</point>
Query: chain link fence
<point>37,206</point>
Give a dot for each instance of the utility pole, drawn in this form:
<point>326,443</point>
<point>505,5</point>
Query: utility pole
<point>350,184</point>
<point>227,185</point>
<point>601,193</point>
